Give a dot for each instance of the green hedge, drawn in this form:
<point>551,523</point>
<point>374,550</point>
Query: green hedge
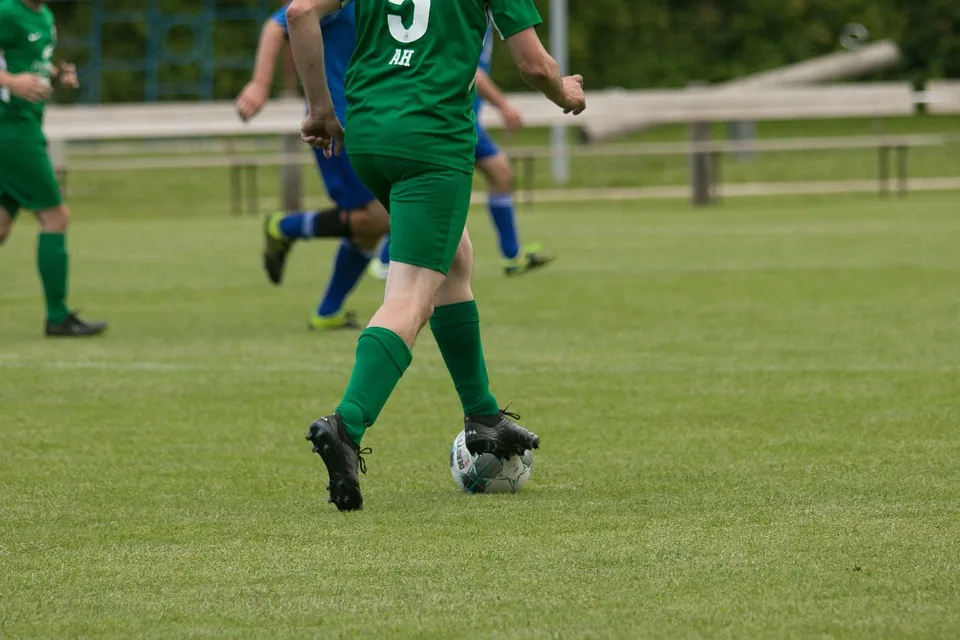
<point>626,43</point>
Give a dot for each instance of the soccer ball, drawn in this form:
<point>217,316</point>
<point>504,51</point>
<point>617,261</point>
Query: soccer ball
<point>487,473</point>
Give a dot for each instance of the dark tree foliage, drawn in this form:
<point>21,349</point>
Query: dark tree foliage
<point>624,43</point>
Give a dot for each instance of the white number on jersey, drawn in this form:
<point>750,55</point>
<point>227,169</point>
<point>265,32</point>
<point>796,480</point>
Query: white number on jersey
<point>421,16</point>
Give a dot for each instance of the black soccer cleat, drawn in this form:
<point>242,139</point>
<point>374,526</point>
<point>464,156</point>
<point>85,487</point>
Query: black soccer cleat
<point>342,458</point>
<point>499,435</point>
<point>73,327</point>
<point>276,248</point>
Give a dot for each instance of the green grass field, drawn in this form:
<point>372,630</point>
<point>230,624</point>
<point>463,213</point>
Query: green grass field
<point>749,420</point>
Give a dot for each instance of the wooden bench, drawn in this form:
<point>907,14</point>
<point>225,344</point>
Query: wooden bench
<point>942,97</point>
<point>281,119</point>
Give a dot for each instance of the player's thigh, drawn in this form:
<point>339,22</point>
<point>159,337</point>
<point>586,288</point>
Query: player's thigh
<point>27,180</point>
<point>428,212</point>
<point>498,171</point>
<point>344,186</point>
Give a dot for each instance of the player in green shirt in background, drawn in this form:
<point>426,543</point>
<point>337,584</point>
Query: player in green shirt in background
<point>411,136</point>
<point>27,179</point>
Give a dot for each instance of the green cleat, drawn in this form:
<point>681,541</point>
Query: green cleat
<point>276,248</point>
<point>530,258</point>
<point>341,320</point>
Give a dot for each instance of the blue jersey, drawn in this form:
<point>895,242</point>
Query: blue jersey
<point>339,41</point>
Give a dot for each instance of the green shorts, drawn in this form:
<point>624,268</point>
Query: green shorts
<point>27,179</point>
<point>428,207</point>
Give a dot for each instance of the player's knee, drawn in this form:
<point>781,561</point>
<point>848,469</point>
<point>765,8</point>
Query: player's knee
<point>369,223</point>
<point>462,265</point>
<point>55,220</point>
<point>299,9</point>
<point>500,174</point>
<point>4,230</point>
<point>412,310</point>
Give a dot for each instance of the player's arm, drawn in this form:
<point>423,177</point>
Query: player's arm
<point>540,71</point>
<point>320,128</point>
<point>25,86</point>
<point>306,42</point>
<point>257,92</point>
<point>490,92</point>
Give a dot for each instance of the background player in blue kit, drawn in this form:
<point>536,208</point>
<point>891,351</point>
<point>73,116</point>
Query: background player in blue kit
<point>495,166</point>
<point>357,218</point>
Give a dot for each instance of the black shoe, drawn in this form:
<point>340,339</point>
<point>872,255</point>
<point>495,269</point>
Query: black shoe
<point>73,327</point>
<point>342,458</point>
<point>276,248</point>
<point>499,435</point>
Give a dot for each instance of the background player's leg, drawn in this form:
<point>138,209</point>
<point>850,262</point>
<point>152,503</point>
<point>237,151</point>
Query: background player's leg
<point>499,175</point>
<point>53,261</point>
<point>303,225</point>
<point>456,327</point>
<point>495,166</point>
<point>351,261</point>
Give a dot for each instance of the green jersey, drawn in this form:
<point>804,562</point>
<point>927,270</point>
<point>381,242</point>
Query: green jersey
<point>411,81</point>
<point>27,40</point>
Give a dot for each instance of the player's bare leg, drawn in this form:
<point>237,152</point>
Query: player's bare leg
<point>368,225</point>
<point>517,259</point>
<point>413,296</point>
<point>53,265</point>
<point>383,354</point>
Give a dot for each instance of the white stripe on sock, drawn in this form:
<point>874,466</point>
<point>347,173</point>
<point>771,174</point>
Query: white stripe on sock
<point>500,200</point>
<point>307,228</point>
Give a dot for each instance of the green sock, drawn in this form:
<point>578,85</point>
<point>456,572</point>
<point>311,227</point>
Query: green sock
<point>456,328</point>
<point>52,263</point>
<point>382,357</point>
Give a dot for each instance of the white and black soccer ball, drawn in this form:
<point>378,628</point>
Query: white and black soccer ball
<point>486,473</point>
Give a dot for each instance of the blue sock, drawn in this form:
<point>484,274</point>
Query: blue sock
<point>501,212</point>
<point>298,225</point>
<point>385,251</point>
<point>348,267</point>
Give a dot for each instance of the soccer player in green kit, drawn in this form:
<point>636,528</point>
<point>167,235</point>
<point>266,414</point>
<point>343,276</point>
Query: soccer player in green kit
<point>411,136</point>
<point>27,178</point>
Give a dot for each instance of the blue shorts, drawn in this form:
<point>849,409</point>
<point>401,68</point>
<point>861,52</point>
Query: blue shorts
<point>344,187</point>
<point>486,147</point>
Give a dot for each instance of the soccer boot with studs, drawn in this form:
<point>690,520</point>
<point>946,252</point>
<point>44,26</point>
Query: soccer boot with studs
<point>498,434</point>
<point>73,327</point>
<point>531,258</point>
<point>343,459</point>
<point>276,248</point>
<point>339,320</point>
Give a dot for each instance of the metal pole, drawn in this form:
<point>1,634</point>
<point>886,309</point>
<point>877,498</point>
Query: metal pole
<point>558,43</point>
